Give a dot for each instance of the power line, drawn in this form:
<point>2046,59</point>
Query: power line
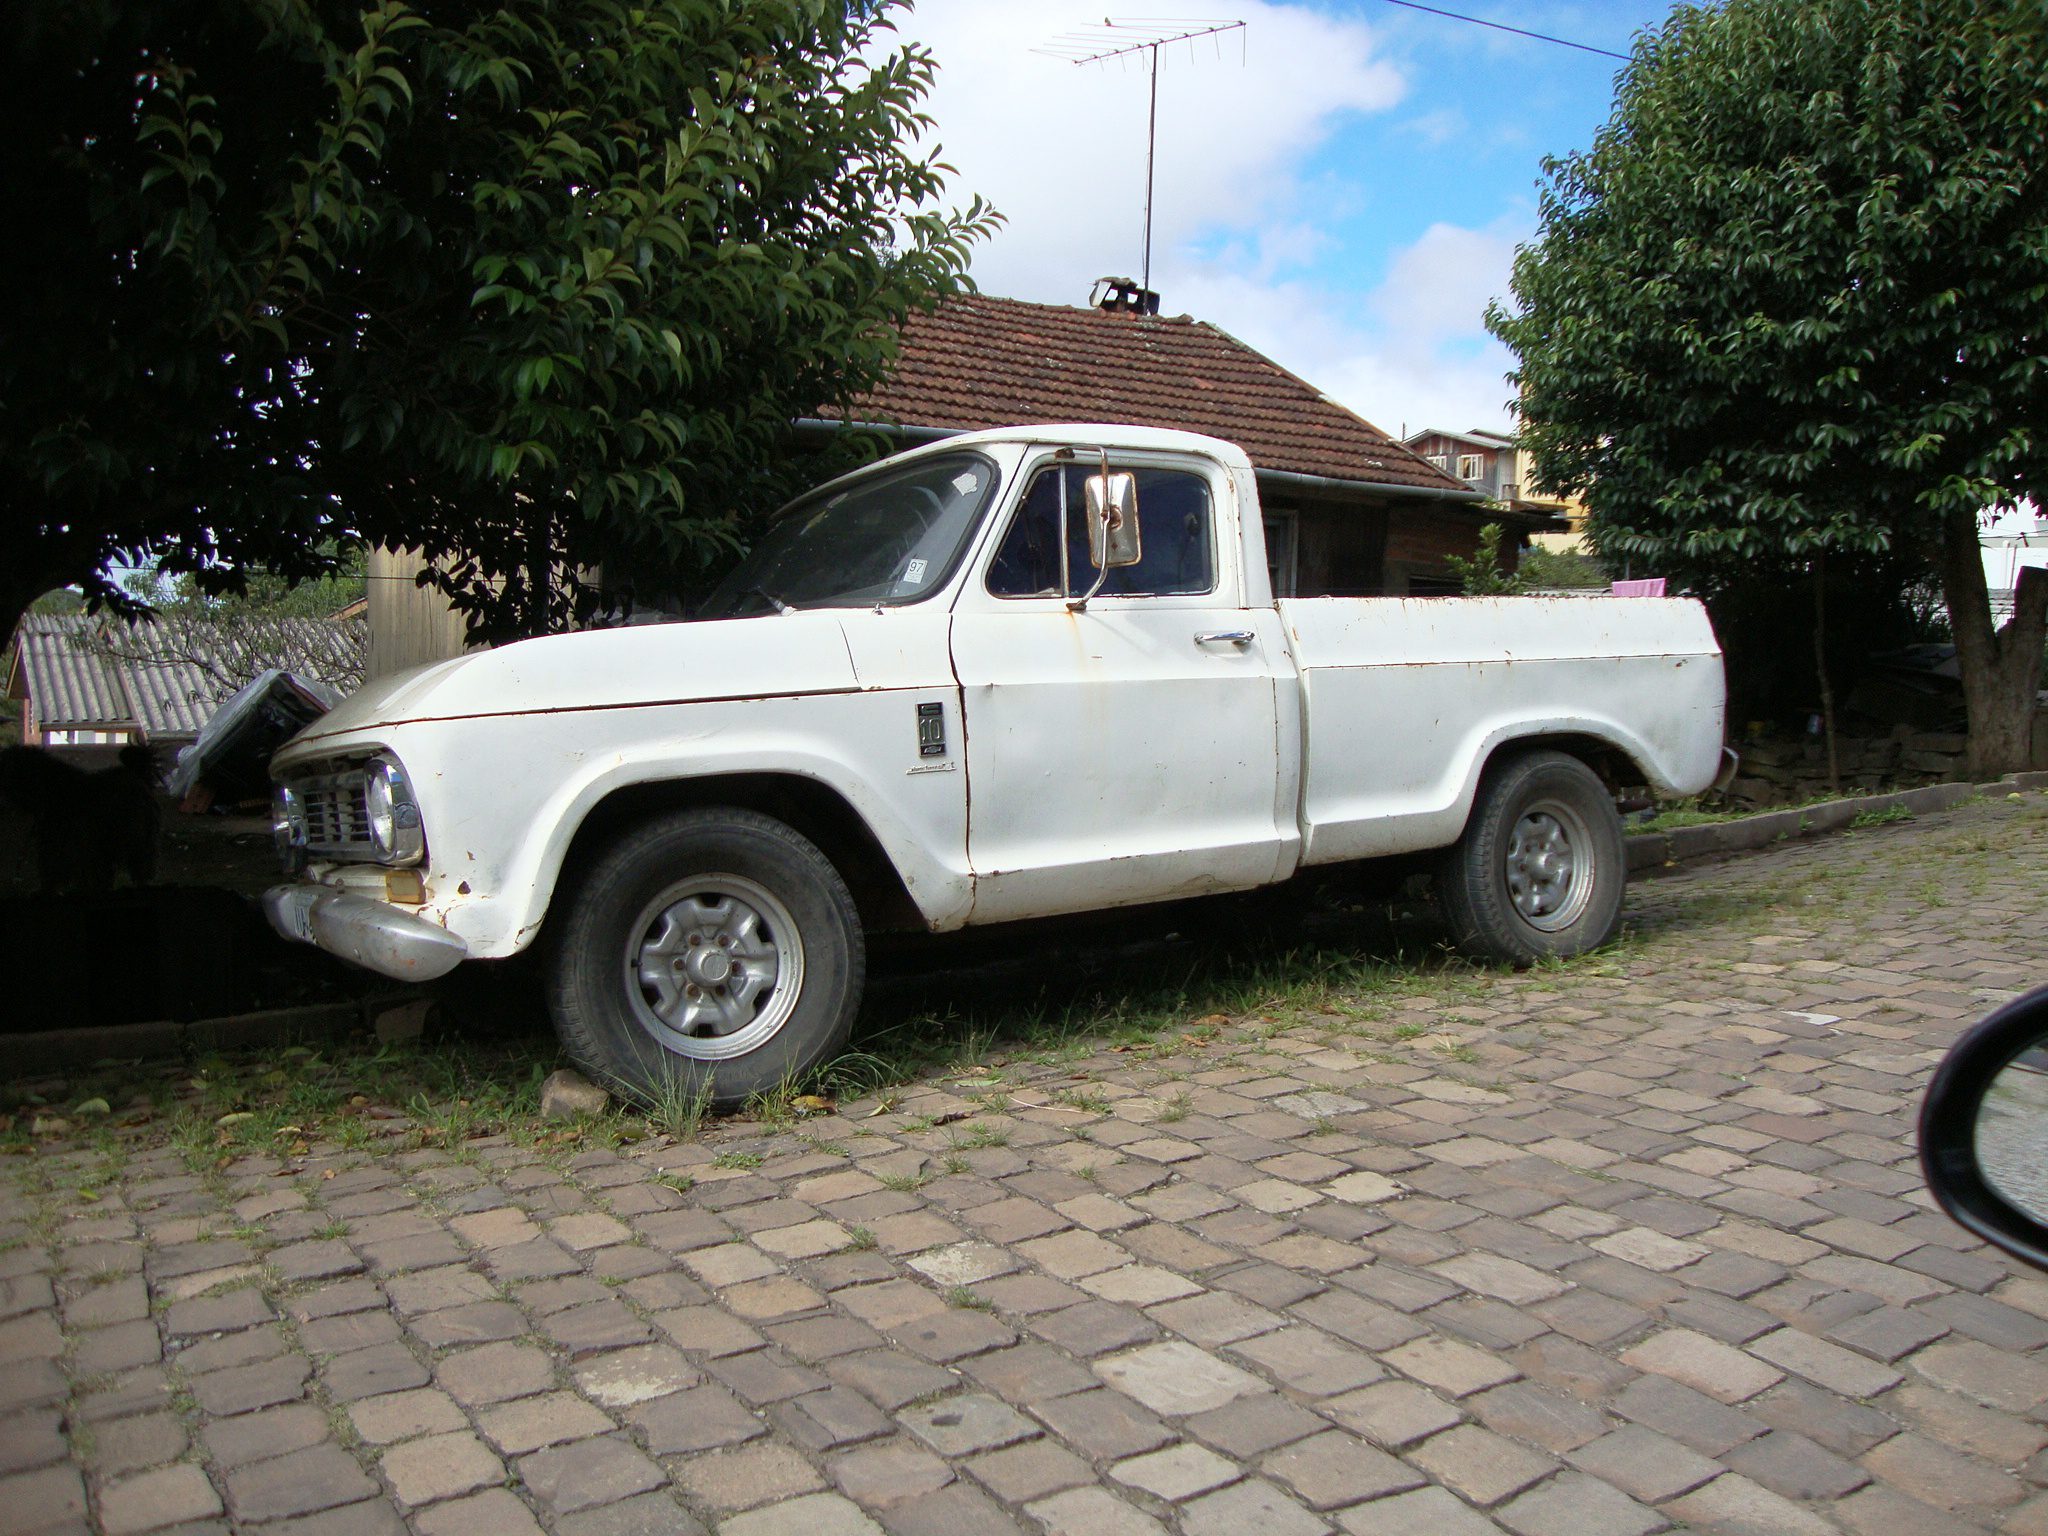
<point>1480,21</point>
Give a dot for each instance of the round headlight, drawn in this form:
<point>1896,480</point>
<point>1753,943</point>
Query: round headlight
<point>288,827</point>
<point>394,819</point>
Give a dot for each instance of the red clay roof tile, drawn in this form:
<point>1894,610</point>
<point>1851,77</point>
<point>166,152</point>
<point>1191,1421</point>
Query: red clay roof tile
<point>980,361</point>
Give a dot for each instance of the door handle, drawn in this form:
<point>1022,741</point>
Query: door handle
<point>1237,637</point>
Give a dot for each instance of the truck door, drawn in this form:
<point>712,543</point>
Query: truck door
<point>1131,751</point>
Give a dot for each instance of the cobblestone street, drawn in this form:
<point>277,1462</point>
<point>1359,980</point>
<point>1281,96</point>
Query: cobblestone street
<point>1626,1245</point>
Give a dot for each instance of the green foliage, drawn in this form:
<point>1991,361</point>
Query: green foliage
<point>528,286</point>
<point>1482,574</point>
<point>1561,570</point>
<point>1790,305</point>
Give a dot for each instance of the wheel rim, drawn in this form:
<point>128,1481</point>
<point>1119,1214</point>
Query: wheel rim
<point>1549,866</point>
<point>714,966</point>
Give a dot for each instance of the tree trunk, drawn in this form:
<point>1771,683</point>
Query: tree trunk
<point>2001,667</point>
<point>1820,667</point>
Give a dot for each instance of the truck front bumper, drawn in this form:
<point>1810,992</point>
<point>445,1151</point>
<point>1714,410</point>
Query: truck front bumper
<point>364,931</point>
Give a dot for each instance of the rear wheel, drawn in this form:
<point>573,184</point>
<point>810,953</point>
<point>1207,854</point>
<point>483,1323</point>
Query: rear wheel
<point>706,953</point>
<point>1540,869</point>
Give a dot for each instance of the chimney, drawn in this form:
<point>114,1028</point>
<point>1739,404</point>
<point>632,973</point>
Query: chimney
<point>1120,295</point>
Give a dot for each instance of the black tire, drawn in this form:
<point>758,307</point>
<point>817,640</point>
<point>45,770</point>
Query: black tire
<point>709,951</point>
<point>1540,870</point>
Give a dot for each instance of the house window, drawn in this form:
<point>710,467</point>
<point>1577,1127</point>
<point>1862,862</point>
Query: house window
<point>1442,461</point>
<point>1471,467</point>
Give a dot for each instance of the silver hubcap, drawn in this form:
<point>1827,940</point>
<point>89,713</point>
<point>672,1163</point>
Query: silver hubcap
<point>715,964</point>
<point>1548,876</point>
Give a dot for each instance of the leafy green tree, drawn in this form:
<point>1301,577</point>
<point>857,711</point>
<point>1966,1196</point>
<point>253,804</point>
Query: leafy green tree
<point>526,284</point>
<point>1794,303</point>
<point>1484,573</point>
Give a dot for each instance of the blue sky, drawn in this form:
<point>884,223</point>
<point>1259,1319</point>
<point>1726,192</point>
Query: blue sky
<point>1343,187</point>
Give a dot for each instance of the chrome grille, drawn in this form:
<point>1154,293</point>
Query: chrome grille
<point>337,815</point>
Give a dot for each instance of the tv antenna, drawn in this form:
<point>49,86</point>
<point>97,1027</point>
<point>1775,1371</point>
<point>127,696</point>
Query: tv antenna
<point>1115,39</point>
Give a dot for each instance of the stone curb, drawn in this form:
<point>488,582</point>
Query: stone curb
<point>1654,850</point>
<point>65,1049</point>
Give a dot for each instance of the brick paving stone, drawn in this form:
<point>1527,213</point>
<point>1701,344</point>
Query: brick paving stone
<point>585,1473</point>
<point>1827,1365</point>
<point>494,1373</point>
<point>51,1498</point>
<point>1176,1473</point>
<point>816,1514</point>
<point>249,1387</point>
<point>629,1376</point>
<point>1178,1378</point>
<point>439,1467</point>
<point>231,1443</point>
<point>372,1372</point>
<point>480,1322</point>
<point>532,1423</point>
<point>1735,1504</point>
<point>701,1419</point>
<point>1335,1468</point>
<point>32,1439</point>
<point>131,1444</point>
<point>949,1511</point>
<point>402,1415</point>
<point>1252,1505</point>
<point>1036,1469</point>
<point>966,1423</point>
<point>1308,1361</point>
<point>1425,1512</point>
<point>1787,1462</point>
<point>881,1475</point>
<point>494,1512</point>
<point>1251,1426</point>
<point>1092,1512</point>
<point>1394,1413</point>
<point>1706,1365</point>
<point>1939,1476</point>
<point>1449,1366</point>
<point>1103,1423</point>
<point>1092,1328</point>
<point>321,1477</point>
<point>1881,1511</point>
<point>1525,1411</point>
<point>1478,1465</point>
<point>1576,1505</point>
<point>889,1379</point>
<point>151,1500</point>
<point>745,1477</point>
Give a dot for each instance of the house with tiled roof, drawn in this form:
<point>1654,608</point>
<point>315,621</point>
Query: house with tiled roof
<point>1501,468</point>
<point>1349,511</point>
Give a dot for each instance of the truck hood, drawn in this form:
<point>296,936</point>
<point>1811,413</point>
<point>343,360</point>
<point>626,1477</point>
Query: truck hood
<point>776,654</point>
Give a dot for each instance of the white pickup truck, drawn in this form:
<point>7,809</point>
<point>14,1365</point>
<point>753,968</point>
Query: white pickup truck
<point>1012,674</point>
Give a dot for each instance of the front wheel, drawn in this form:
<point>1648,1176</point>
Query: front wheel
<point>1540,869</point>
<point>709,952</point>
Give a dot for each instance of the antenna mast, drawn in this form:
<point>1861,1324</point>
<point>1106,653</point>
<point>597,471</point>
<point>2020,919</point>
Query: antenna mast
<point>1120,39</point>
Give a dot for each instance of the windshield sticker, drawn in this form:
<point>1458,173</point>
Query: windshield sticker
<point>913,573</point>
<point>967,482</point>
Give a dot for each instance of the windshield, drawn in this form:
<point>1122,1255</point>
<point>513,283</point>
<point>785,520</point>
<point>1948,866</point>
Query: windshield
<point>892,537</point>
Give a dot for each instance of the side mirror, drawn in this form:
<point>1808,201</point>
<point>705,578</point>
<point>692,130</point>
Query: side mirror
<point>1113,537</point>
<point>1984,1129</point>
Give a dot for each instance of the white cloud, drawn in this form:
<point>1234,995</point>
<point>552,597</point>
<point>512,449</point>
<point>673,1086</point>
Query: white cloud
<point>1060,148</point>
<point>1242,226</point>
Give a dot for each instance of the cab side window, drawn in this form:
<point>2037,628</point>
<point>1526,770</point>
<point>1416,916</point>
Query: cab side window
<point>1176,528</point>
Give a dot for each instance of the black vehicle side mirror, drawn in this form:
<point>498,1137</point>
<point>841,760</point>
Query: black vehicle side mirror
<point>1984,1129</point>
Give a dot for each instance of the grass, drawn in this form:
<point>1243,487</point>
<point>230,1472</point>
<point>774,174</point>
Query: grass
<point>1885,817</point>
<point>732,1158</point>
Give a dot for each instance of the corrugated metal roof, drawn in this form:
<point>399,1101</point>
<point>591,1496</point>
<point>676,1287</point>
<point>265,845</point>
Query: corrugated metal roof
<point>166,677</point>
